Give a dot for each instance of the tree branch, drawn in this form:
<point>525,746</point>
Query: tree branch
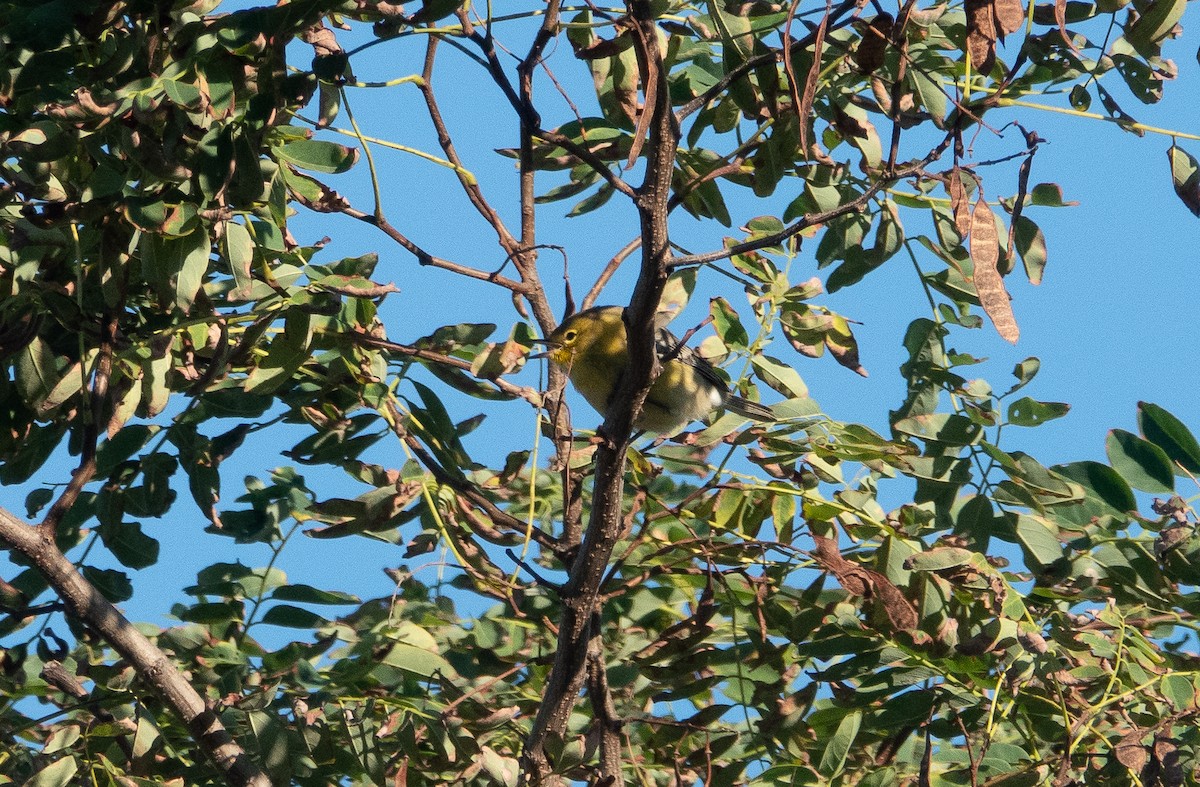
<point>469,186</point>
<point>580,594</point>
<point>607,721</point>
<point>85,603</point>
<point>425,258</point>
<point>811,219</point>
<point>518,391</point>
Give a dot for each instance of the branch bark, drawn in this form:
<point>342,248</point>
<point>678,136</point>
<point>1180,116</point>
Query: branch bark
<point>85,603</point>
<point>580,595</point>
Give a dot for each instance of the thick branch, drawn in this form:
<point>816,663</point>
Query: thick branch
<point>608,723</point>
<point>85,603</point>
<point>580,594</point>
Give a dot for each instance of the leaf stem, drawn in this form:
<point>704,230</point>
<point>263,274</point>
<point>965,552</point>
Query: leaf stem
<point>1015,102</point>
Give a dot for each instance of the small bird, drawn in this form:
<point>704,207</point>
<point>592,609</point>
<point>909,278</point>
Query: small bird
<point>592,348</point>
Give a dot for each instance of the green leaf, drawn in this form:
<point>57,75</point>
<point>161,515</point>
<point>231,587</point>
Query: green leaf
<point>592,201</point>
<point>182,93</point>
<point>1180,691</point>
<point>930,92</point>
<point>239,250</point>
<point>308,594</point>
<point>129,544</point>
<point>36,500</point>
<point>417,660</point>
<point>503,771</point>
<point>779,376</point>
<point>833,758</point>
<point>1142,463</point>
<point>212,612</point>
<point>1168,433</point>
<point>59,773</point>
<point>976,519</point>
<point>1049,195</point>
<point>727,324</point>
<point>1025,371</point>
<point>175,267</point>
<point>293,617</point>
<point>286,355</point>
<point>113,585</point>
<point>1105,482</point>
<point>122,446</point>
<point>1039,539</point>
<point>318,155</point>
<point>1031,245</point>
<point>1155,23</point>
<point>36,371</point>
<point>1030,412</point>
<point>948,428</point>
<point>939,559</point>
<point>1081,99</point>
<point>1185,177</point>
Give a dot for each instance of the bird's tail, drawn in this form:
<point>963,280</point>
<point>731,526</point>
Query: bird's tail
<point>749,409</point>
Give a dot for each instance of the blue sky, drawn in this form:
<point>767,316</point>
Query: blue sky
<point>1113,322</point>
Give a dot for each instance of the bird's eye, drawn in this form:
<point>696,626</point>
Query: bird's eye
<point>569,336</point>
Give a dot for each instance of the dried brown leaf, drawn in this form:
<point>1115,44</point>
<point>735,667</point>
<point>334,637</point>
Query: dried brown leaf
<point>958,201</point>
<point>985,254</point>
<point>861,581</point>
<point>1010,15</point>
<point>1170,770</point>
<point>818,154</point>
<point>648,70</point>
<point>804,108</point>
<point>875,38</point>
<point>1060,19</point>
<point>1131,753</point>
<point>601,47</point>
<point>981,34</point>
<point>849,126</point>
<point>1031,143</point>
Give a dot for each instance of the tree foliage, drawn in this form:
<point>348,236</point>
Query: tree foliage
<point>805,601</point>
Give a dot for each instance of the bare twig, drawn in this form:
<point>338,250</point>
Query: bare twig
<point>811,219</point>
<point>602,280</point>
<point>96,403</point>
<point>425,258</point>
<point>445,141</point>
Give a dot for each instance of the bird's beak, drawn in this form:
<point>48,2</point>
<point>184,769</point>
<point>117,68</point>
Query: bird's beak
<point>548,352</point>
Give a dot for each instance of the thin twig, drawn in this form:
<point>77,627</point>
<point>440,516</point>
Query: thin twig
<point>425,258</point>
<point>519,391</point>
<point>446,142</point>
<point>589,300</point>
<point>811,219</point>
<point>718,89</point>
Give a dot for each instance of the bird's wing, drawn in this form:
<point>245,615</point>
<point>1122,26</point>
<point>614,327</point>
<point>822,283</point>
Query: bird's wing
<point>671,349</point>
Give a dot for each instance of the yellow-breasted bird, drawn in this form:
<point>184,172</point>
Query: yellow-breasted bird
<point>592,348</point>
